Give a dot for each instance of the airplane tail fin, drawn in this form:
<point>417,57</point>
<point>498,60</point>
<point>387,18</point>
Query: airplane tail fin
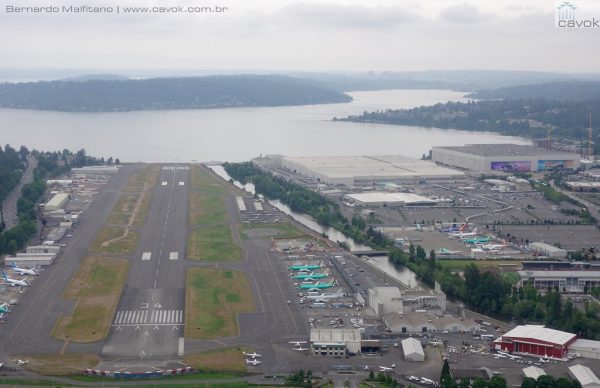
<point>4,275</point>
<point>12,264</point>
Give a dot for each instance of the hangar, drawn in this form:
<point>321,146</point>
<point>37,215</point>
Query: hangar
<point>334,342</point>
<point>364,170</point>
<point>504,158</point>
<point>536,340</point>
<point>413,350</point>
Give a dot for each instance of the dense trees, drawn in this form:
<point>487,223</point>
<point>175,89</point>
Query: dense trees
<point>50,164</point>
<point>548,381</point>
<point>11,169</point>
<point>167,93</point>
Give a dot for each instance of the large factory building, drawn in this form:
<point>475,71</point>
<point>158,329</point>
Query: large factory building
<point>503,158</point>
<point>365,170</point>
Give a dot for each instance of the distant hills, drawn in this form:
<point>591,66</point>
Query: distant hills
<point>110,95</point>
<point>524,110</point>
<point>561,91</point>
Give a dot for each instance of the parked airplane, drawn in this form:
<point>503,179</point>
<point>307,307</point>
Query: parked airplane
<point>427,381</point>
<point>510,355</point>
<point>22,271</point>
<point>253,362</point>
<point>4,308</point>
<point>310,276</point>
<point>300,349</point>
<point>297,343</point>
<point>477,240</point>
<point>445,251</point>
<point>498,356</point>
<point>14,282</point>
<point>386,369</point>
<point>418,227</point>
<point>253,355</point>
<point>302,267</point>
<point>316,286</point>
<point>21,362</point>
<point>492,247</point>
<point>325,296</point>
<point>464,236</point>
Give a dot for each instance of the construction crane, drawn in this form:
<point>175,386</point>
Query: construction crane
<point>590,156</point>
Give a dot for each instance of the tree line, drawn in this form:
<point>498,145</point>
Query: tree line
<point>303,200</point>
<point>167,93</point>
<point>514,117</point>
<point>50,164</point>
<point>488,293</point>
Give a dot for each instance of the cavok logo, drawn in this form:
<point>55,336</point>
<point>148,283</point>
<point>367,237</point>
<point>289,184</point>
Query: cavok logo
<point>583,14</point>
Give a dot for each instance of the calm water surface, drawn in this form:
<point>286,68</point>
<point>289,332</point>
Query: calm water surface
<point>239,134</point>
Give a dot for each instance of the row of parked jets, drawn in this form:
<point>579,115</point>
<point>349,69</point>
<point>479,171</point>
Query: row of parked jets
<point>21,271</point>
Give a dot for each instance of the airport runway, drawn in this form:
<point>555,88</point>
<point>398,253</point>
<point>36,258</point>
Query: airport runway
<point>148,323</point>
<point>28,327</point>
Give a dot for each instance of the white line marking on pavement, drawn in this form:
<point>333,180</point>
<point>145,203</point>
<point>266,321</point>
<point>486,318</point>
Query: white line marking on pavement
<point>174,256</point>
<point>146,256</point>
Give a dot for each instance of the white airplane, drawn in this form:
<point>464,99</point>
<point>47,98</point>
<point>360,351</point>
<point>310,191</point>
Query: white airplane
<point>498,356</point>
<point>253,355</point>
<point>445,251</point>
<point>492,247</point>
<point>23,271</point>
<point>427,381</point>
<point>253,362</point>
<point>544,360</point>
<point>326,296</point>
<point>21,362</point>
<point>386,369</point>
<point>300,349</point>
<point>297,343</point>
<point>14,282</point>
<point>505,354</point>
<point>464,236</point>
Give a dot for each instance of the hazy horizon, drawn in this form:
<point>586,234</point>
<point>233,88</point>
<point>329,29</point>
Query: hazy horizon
<point>297,36</point>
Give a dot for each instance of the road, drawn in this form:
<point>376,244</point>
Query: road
<point>148,323</point>
<point>9,205</point>
<point>27,329</point>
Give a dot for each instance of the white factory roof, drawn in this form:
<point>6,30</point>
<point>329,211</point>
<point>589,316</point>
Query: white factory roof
<point>545,246</point>
<point>379,197</point>
<point>534,372</point>
<point>559,274</point>
<point>334,335</point>
<point>585,345</point>
<point>584,375</point>
<point>57,199</point>
<point>365,166</point>
<point>412,346</point>
<point>540,333</point>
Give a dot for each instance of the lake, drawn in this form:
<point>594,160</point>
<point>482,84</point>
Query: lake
<point>239,134</point>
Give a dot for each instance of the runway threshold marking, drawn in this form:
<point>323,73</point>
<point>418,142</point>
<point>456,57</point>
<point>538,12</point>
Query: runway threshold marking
<point>135,317</point>
<point>146,256</point>
<point>181,183</point>
<point>173,255</point>
<point>164,183</point>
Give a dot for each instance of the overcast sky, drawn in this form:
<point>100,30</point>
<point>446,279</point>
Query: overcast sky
<point>325,35</point>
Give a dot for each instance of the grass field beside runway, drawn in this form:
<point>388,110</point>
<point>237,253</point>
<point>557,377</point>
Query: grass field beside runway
<point>210,235</point>
<point>220,360</point>
<point>213,299</point>
<point>60,364</point>
<point>129,211</point>
<point>278,230</point>
<point>96,287</point>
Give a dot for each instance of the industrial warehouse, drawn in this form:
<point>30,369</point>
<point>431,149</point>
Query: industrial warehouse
<point>564,276</point>
<point>504,158</point>
<point>364,170</point>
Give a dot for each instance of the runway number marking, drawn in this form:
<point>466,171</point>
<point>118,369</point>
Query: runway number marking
<point>174,256</point>
<point>146,256</point>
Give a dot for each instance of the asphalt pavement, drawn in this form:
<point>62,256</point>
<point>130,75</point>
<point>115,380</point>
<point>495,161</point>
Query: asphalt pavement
<point>9,205</point>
